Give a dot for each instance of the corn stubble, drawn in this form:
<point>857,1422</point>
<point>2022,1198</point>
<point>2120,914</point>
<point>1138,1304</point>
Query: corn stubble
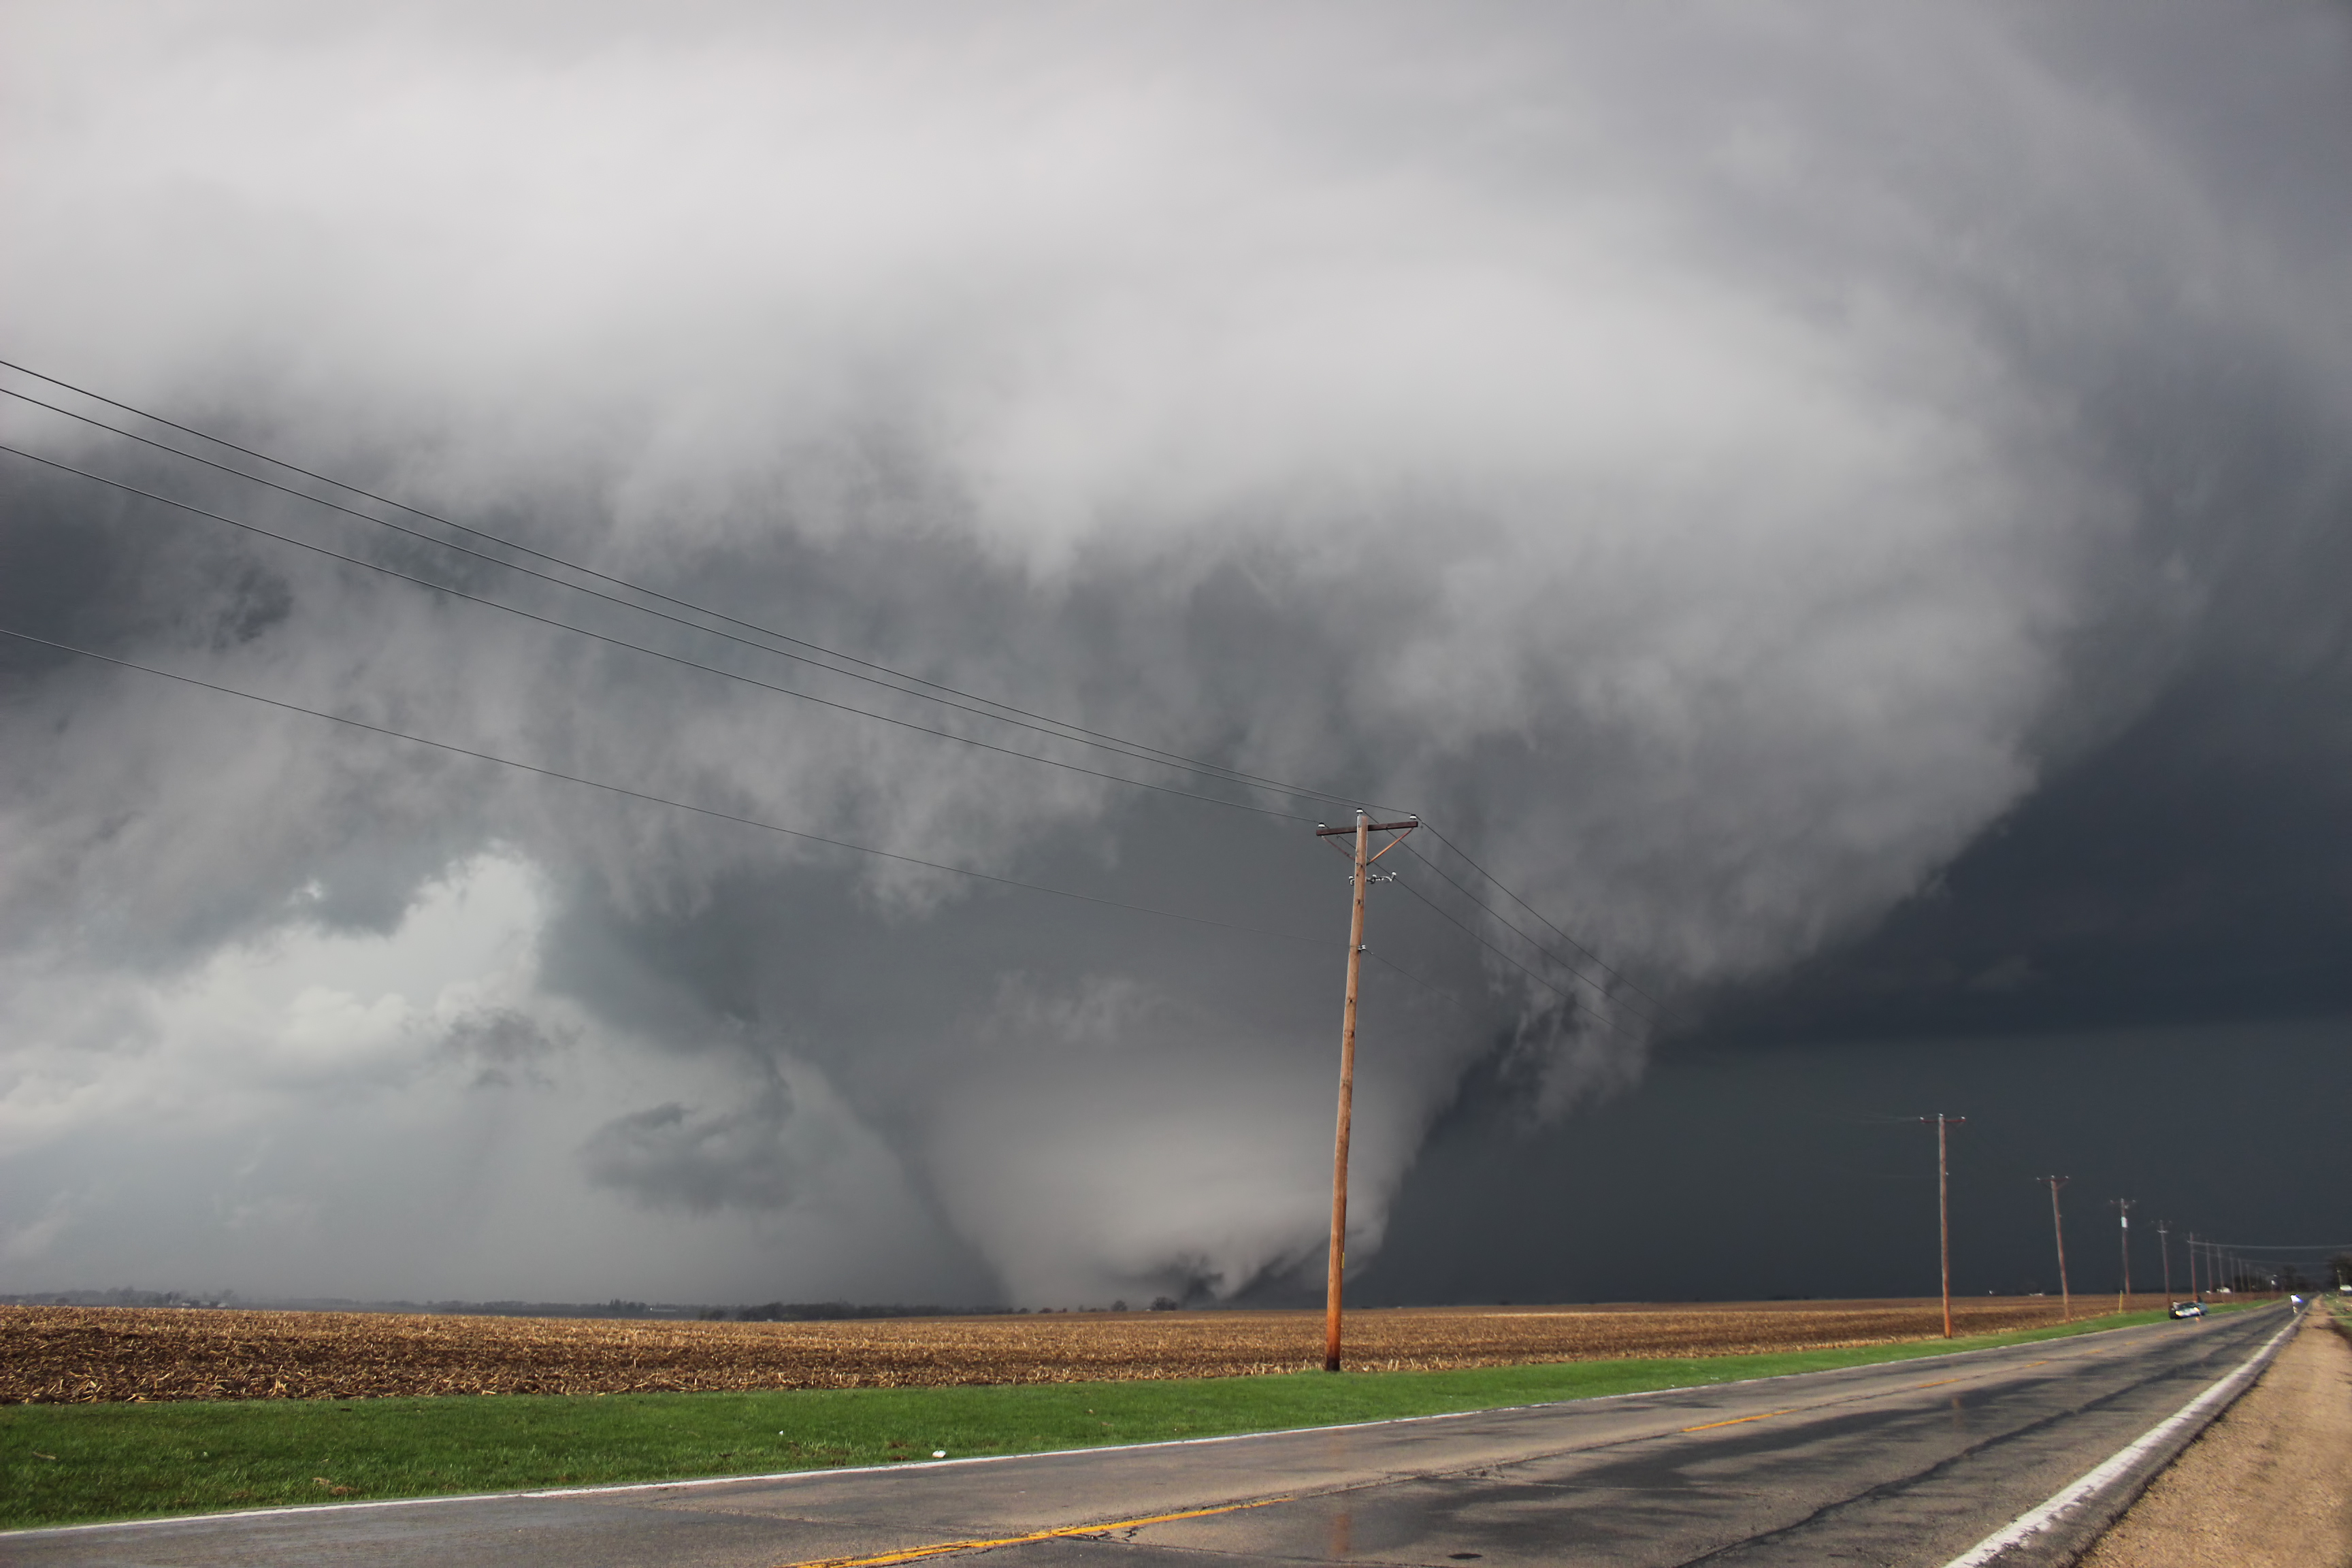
<point>102,1355</point>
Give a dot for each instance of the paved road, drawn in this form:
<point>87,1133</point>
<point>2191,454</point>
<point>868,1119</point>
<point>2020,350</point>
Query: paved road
<point>1907,1464</point>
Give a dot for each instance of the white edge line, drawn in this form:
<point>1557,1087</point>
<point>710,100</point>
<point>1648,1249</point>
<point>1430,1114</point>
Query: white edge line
<point>2034,1521</point>
<point>314,1509</point>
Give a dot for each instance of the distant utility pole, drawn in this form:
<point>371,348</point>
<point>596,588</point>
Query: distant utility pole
<point>2058,1228</point>
<point>2164,1248</point>
<point>2123,1207</point>
<point>1362,833</point>
<point>2192,1267</point>
<point>1943,1202</point>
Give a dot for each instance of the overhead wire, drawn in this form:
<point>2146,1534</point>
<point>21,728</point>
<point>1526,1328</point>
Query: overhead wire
<point>1505,921</point>
<point>1501,920</point>
<point>1610,1025</point>
<point>1515,898</point>
<point>650,798</point>
<point>456,592</point>
<point>1433,988</point>
<point>1205,770</point>
<point>1532,941</point>
<point>1021,718</point>
<point>2279,1247</point>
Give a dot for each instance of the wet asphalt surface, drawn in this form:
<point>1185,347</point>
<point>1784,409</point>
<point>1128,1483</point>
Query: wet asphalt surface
<point>1911,1463</point>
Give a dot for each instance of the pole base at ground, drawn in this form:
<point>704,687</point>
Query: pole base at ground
<point>1331,1363</point>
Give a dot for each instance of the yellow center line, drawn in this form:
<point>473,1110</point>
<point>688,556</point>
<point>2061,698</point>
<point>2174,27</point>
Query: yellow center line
<point>941,1548</point>
<point>1737,1420</point>
<point>1939,1382</point>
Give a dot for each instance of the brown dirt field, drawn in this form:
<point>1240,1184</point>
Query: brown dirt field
<point>2267,1485</point>
<point>94,1355</point>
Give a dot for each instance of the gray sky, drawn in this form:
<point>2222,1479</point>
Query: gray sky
<point>1842,513</point>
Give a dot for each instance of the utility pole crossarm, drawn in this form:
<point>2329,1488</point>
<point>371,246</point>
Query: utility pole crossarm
<point>1405,827</point>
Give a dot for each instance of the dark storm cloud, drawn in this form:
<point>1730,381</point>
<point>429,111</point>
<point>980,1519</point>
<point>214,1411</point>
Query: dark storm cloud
<point>2193,869</point>
<point>1801,1171</point>
<point>503,1045</point>
<point>1716,468</point>
<point>678,1156</point>
<point>2191,865</point>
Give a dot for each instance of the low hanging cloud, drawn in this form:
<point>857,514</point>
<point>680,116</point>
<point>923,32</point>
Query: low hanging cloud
<point>505,1046</point>
<point>1712,470</point>
<point>680,1156</point>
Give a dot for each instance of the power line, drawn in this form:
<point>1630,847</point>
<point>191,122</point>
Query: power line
<point>1532,941</point>
<point>650,798</point>
<point>1504,921</point>
<point>1609,1024</point>
<point>2282,1246</point>
<point>356,561</point>
<point>1431,986</point>
<point>826,702</point>
<point>1042,724</point>
<point>1515,898</point>
<point>1076,733</point>
<point>634,646</point>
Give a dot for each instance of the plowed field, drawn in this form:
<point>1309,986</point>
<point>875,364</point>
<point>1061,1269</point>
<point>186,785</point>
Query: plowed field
<point>82,1354</point>
<point>88,1355</point>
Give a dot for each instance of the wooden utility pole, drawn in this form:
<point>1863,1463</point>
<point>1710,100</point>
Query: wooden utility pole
<point>1943,1204</point>
<point>1362,833</point>
<point>2123,1207</point>
<point>2164,1249</point>
<point>2194,1294</point>
<point>2058,1228</point>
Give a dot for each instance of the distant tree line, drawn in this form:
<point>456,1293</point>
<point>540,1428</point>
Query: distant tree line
<point>772,1312</point>
<point>830,1311</point>
<point>123,1297</point>
<point>826,1312</point>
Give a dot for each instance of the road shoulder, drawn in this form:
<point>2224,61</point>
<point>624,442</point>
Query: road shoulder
<point>2268,1483</point>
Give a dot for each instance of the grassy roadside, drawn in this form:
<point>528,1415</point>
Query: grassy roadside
<point>64,1464</point>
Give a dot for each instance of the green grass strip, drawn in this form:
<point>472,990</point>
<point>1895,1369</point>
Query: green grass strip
<point>64,1464</point>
